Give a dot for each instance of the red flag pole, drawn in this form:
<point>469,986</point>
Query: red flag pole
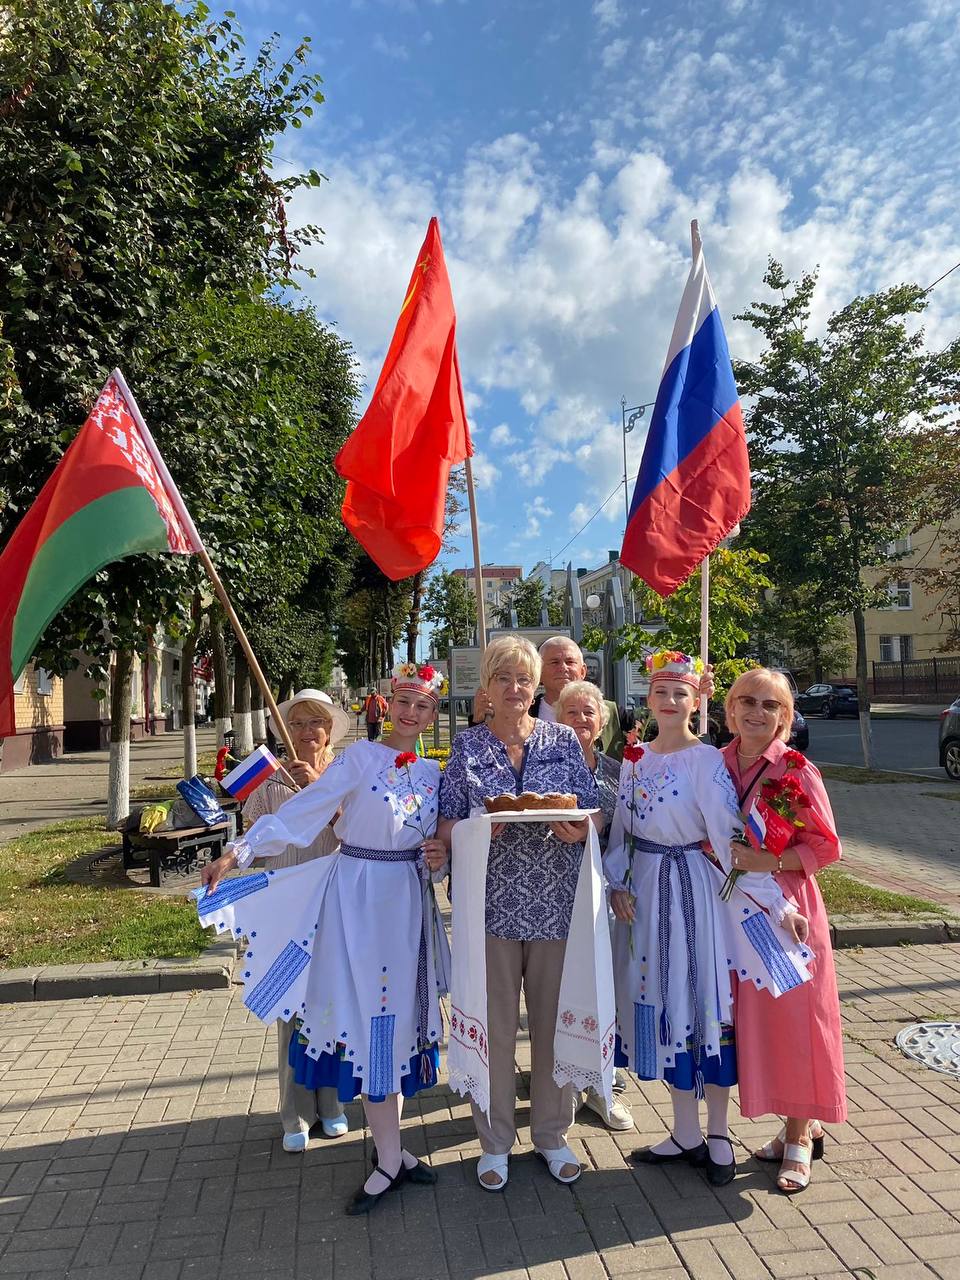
<point>207,563</point>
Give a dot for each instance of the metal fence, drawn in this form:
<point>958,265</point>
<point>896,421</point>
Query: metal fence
<point>923,679</point>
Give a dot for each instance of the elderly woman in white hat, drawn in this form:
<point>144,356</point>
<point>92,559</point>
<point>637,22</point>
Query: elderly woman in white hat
<point>315,724</point>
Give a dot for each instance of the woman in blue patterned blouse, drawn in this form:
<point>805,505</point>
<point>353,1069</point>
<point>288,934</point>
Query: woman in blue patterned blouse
<point>531,880</point>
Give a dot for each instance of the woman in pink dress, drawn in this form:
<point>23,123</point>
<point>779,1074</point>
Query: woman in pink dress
<point>789,1051</point>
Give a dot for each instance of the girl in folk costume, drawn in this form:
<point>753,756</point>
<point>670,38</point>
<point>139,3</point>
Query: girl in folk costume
<point>790,1052</point>
<point>675,941</point>
<point>351,944</point>
<point>315,724</point>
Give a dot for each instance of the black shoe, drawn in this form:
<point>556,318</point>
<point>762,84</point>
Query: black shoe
<point>718,1175</point>
<point>364,1201</point>
<point>421,1174</point>
<point>696,1156</point>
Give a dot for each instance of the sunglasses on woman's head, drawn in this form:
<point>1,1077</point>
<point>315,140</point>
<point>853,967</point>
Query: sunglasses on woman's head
<point>748,700</point>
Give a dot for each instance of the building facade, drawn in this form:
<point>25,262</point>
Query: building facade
<point>497,580</point>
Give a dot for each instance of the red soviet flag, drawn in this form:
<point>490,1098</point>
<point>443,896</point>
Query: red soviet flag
<point>397,462</point>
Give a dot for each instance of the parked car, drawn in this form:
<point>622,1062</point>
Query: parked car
<point>720,735</point>
<point>822,698</point>
<point>950,740</point>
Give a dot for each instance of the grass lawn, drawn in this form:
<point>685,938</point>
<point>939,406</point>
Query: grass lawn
<point>206,761</point>
<point>846,896</point>
<point>858,776</point>
<point>44,919</point>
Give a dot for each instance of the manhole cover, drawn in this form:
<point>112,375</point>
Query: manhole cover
<point>934,1044</point>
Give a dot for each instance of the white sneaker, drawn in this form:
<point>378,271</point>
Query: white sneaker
<point>617,1117</point>
<point>296,1141</point>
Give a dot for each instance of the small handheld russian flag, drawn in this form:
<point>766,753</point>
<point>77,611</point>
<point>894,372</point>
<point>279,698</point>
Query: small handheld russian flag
<point>260,765</point>
<point>766,830</point>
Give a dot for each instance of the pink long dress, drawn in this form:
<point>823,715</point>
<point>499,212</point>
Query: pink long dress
<point>790,1051</point>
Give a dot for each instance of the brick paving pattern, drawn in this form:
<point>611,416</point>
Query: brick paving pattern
<point>140,1142</point>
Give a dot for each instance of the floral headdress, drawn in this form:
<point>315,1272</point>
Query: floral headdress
<point>422,678</point>
<point>671,664</point>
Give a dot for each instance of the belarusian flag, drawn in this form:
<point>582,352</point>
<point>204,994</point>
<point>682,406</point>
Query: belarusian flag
<point>110,496</point>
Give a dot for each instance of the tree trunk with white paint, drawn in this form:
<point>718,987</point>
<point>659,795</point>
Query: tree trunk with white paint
<point>188,690</point>
<point>242,719</point>
<point>118,778</point>
<point>221,679</point>
<point>259,717</point>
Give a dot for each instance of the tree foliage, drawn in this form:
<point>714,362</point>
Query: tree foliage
<point>837,425</point>
<point>451,609</point>
<point>738,583</point>
<point>529,598</point>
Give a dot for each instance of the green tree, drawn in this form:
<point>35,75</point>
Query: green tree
<point>451,608</point>
<point>737,586</point>
<point>530,597</point>
<point>835,441</point>
<point>135,165</point>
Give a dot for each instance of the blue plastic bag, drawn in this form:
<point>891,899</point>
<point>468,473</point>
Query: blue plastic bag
<point>202,800</point>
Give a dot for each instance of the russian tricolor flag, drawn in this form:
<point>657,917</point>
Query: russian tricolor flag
<point>755,826</point>
<point>694,481</point>
<point>260,765</point>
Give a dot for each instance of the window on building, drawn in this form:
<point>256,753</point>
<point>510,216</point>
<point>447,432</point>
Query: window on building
<point>906,648</point>
<point>44,682</point>
<point>902,594</point>
<point>900,546</point>
<point>886,649</point>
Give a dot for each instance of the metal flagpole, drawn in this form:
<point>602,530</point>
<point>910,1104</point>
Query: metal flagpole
<point>477,576</point>
<point>219,588</point>
<point>696,247</point>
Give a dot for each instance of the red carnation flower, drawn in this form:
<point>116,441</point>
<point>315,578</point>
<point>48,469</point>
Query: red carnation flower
<point>426,673</point>
<point>633,754</point>
<point>405,759</point>
<point>794,759</point>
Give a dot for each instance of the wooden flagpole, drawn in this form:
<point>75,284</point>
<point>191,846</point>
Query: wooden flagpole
<point>696,247</point>
<point>219,588</point>
<point>477,566</point>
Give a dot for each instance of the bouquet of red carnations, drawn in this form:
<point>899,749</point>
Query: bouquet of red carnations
<point>771,822</point>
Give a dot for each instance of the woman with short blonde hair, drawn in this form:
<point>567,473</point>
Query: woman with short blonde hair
<point>789,1052</point>
<point>506,651</point>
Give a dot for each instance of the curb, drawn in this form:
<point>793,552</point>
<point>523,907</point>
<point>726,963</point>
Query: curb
<point>210,972</point>
<point>882,933</point>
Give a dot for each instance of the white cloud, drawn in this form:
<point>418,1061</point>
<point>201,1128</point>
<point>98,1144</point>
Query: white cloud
<point>614,53</point>
<point>502,435</point>
<point>399,52</point>
<point>485,474</point>
<point>607,13</point>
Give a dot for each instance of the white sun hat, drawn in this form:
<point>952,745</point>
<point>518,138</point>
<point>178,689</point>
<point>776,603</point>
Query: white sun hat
<point>341,721</point>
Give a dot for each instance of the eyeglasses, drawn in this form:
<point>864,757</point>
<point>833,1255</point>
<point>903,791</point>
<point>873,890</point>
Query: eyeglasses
<point>318,723</point>
<point>506,681</point>
<point>768,704</point>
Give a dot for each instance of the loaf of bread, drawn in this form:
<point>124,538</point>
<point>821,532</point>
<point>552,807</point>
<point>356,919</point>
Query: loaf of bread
<point>529,800</point>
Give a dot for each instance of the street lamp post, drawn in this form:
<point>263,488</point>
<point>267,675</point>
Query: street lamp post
<point>628,423</point>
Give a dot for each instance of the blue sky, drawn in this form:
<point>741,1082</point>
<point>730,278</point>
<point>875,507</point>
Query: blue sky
<point>565,146</point>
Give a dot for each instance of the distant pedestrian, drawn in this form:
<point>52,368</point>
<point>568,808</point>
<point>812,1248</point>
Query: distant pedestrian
<point>789,1051</point>
<point>375,712</point>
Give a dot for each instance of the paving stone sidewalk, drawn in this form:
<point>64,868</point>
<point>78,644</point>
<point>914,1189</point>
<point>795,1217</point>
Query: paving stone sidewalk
<point>140,1142</point>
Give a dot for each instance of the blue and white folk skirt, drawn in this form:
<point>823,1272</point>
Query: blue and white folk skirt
<point>351,947</point>
<point>673,966</point>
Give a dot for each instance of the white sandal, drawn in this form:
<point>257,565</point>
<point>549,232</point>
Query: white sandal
<point>769,1152</point>
<point>555,1161</point>
<point>796,1179</point>
<point>500,1165</point>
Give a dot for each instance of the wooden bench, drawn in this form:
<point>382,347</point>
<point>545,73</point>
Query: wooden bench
<point>182,852</point>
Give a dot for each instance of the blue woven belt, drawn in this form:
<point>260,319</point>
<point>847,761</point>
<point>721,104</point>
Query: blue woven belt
<point>423,994</point>
<point>379,855</point>
<point>672,855</point>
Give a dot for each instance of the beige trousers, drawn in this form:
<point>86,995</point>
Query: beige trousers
<point>300,1108</point>
<point>537,968</point>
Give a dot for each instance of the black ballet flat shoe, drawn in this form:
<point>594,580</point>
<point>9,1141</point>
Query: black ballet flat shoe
<point>719,1175</point>
<point>421,1175</point>
<point>695,1156</point>
<point>364,1201</point>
